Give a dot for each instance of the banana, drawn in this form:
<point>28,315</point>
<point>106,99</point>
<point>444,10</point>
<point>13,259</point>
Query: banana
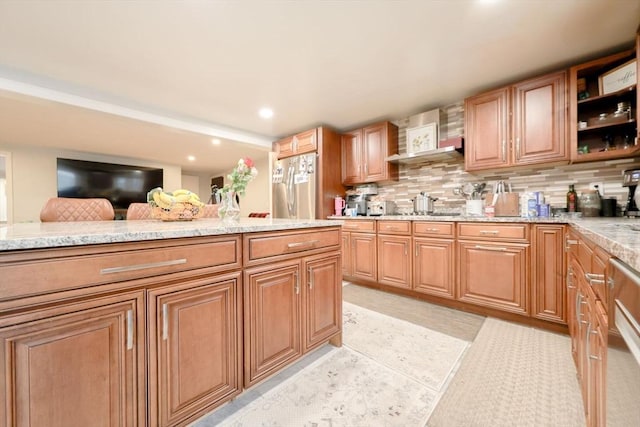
<point>182,197</point>
<point>158,200</point>
<point>166,200</point>
<point>181,192</point>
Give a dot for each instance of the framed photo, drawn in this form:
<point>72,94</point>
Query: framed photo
<point>619,78</point>
<point>422,138</point>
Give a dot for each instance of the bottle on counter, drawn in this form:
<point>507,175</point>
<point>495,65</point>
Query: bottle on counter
<point>572,200</point>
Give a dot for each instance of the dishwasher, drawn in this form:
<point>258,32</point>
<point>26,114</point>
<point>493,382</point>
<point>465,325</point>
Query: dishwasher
<point>623,346</point>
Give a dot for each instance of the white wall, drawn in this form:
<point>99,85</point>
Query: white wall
<point>35,177</point>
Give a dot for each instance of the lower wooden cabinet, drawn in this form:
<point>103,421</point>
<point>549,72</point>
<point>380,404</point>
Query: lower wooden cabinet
<point>289,308</point>
<point>548,293</point>
<point>76,364</point>
<point>322,294</point>
<point>272,319</point>
<point>364,251</point>
<point>494,274</point>
<point>394,260</point>
<point>194,348</point>
<point>434,271</point>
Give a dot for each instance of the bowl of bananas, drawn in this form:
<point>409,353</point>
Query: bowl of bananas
<point>178,205</point>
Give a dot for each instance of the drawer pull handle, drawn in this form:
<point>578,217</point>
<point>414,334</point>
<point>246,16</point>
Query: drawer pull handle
<point>297,284</point>
<point>111,270</point>
<point>592,357</point>
<point>570,242</point>
<point>491,248</point>
<point>351,226</point>
<point>165,321</point>
<point>129,329</point>
<point>302,244</point>
<point>433,230</point>
<point>492,232</point>
<point>392,227</point>
<point>310,278</point>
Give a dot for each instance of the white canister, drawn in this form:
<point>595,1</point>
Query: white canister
<point>475,207</point>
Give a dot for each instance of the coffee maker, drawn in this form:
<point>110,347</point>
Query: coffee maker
<point>359,196</point>
<point>630,179</point>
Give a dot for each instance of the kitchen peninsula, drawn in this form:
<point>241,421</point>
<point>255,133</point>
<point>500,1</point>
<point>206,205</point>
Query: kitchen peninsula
<point>158,322</point>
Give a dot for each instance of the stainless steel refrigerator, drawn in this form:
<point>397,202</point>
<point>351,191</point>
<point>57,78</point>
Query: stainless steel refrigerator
<point>294,187</point>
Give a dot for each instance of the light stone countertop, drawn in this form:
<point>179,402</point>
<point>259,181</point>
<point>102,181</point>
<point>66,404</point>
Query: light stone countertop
<point>618,236</point>
<point>57,234</point>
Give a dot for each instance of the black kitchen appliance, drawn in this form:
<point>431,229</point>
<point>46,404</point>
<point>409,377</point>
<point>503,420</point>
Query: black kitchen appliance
<point>630,179</point>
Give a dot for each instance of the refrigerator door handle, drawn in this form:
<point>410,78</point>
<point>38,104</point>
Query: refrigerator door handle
<point>291,202</point>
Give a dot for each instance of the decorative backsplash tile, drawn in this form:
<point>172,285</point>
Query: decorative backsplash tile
<point>439,179</point>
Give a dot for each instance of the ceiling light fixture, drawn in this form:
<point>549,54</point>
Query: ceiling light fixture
<point>191,158</point>
<point>215,141</point>
<point>266,113</point>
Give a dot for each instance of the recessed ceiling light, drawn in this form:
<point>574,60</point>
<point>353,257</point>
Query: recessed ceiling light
<point>215,141</point>
<point>191,158</point>
<point>266,113</point>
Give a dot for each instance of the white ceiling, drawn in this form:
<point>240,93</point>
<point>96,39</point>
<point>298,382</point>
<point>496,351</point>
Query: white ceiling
<point>157,79</point>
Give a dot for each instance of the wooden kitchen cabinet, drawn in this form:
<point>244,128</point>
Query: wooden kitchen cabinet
<point>272,319</point>
<point>75,364</point>
<point>434,254</point>
<point>302,143</point>
<point>587,143</point>
<point>522,124</point>
<point>322,295</point>
<point>394,260</point>
<point>364,153</point>
<point>359,250</point>
<point>195,351</point>
<point>493,262</point>
<point>548,292</point>
<point>291,305</point>
<point>597,354</point>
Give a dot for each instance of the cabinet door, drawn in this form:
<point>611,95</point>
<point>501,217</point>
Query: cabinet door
<point>540,115</point>
<point>379,142</point>
<point>487,130</point>
<point>75,365</point>
<point>547,275</point>
<point>394,261</point>
<point>352,157</point>
<point>323,299</point>
<point>284,147</point>
<point>572,298</point>
<point>272,319</point>
<point>346,254</point>
<point>305,142</point>
<point>433,269</point>
<point>597,367</point>
<point>363,256</point>
<point>494,275</point>
<point>195,352</point>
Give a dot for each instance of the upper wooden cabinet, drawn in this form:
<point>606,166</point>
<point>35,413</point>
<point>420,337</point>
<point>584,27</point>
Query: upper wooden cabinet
<point>604,133</point>
<point>364,153</point>
<point>305,142</point>
<point>522,124</point>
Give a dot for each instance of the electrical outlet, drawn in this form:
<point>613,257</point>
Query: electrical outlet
<point>600,187</point>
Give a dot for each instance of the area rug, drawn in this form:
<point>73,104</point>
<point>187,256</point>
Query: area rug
<point>422,354</point>
<point>342,389</point>
<point>513,376</point>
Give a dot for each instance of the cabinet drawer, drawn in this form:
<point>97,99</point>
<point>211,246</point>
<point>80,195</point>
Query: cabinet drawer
<point>394,227</point>
<point>357,225</point>
<point>493,231</point>
<point>266,246</point>
<point>433,229</point>
<point>45,271</point>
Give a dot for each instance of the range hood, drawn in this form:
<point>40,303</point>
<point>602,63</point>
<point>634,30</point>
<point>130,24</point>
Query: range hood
<point>450,149</point>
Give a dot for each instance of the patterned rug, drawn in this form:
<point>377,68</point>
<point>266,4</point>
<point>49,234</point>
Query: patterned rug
<point>388,373</point>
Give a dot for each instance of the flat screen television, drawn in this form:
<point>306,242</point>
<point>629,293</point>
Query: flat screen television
<point>121,184</point>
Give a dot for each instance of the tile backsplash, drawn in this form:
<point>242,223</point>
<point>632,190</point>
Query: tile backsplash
<point>439,179</point>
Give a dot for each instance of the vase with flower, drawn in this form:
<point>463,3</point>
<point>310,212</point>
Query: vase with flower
<point>239,178</point>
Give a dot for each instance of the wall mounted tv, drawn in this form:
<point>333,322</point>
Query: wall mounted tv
<point>121,184</point>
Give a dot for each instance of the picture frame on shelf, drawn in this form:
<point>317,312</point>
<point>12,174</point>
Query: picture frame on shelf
<point>422,138</point>
<point>621,77</point>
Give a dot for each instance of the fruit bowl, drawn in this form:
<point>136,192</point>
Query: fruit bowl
<point>180,205</point>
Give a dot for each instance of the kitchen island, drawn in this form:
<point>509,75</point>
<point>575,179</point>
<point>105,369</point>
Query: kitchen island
<point>141,323</point>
